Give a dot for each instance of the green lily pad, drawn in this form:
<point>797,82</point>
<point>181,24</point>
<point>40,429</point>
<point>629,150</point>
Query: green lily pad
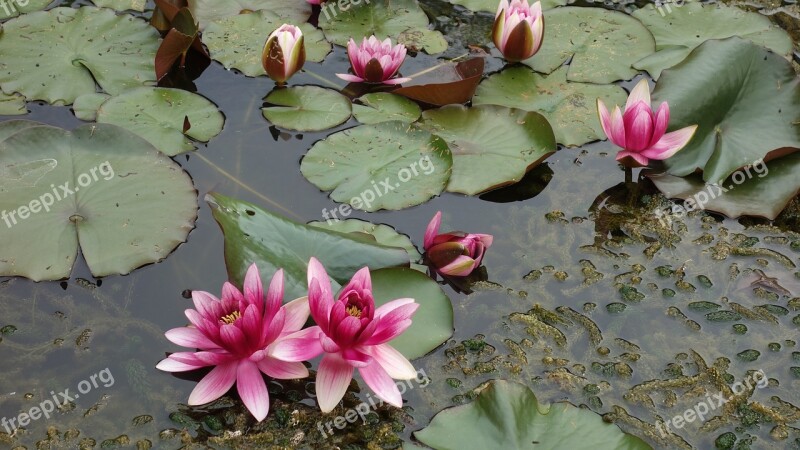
<point>601,44</point>
<point>9,127</point>
<point>742,117</point>
<point>93,47</point>
<point>122,5</point>
<point>383,19</point>
<point>12,105</point>
<point>306,108</point>
<point>764,192</point>
<point>16,8</point>
<point>207,11</point>
<point>383,234</point>
<point>694,23</point>
<point>385,107</point>
<point>432,324</point>
<point>237,42</point>
<point>507,415</point>
<point>85,107</point>
<point>571,108</point>
<point>254,235</point>
<point>491,5</point>
<point>99,186</point>
<point>389,165</point>
<point>160,114</point>
<point>492,145</point>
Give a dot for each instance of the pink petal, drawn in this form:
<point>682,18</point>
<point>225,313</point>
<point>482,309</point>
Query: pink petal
<point>252,389</point>
<point>333,378</point>
<point>320,305</point>
<point>233,338</point>
<point>638,157</point>
<point>171,365</point>
<point>432,230</point>
<point>393,81</point>
<point>382,384</point>
<point>282,370</point>
<point>274,296</point>
<point>670,143</point>
<point>190,337</point>
<point>617,128</point>
<point>328,345</point>
<point>605,118</point>
<point>640,93</point>
<point>230,293</point>
<point>346,331</point>
<point>215,358</point>
<point>356,358</point>
<point>300,346</point>
<point>361,281</point>
<point>391,306</point>
<point>253,290</point>
<point>297,312</point>
<point>661,122</point>
<point>204,303</point>
<point>251,324</point>
<point>462,266</point>
<point>392,324</point>
<point>274,329</point>
<point>393,362</point>
<point>638,127</point>
<point>214,385</point>
<point>350,78</point>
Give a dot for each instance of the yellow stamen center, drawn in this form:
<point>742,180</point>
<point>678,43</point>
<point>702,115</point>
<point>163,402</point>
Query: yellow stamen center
<point>353,311</point>
<point>230,318</point>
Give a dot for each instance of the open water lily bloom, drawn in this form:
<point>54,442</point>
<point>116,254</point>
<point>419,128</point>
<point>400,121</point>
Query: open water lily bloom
<point>352,334</point>
<point>374,61</point>
<point>518,29</point>
<point>455,253</point>
<point>641,132</point>
<point>235,335</point>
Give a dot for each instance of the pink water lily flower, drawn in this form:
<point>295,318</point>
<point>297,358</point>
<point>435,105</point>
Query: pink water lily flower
<point>284,53</point>
<point>518,29</point>
<point>639,131</point>
<point>235,335</point>
<point>314,2</point>
<point>454,253</point>
<point>352,334</point>
<point>374,61</point>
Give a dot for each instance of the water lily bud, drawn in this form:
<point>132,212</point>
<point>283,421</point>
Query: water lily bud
<point>284,53</point>
<point>518,29</point>
<point>456,253</point>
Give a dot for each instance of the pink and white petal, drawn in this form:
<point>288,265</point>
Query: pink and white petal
<point>346,331</point>
<point>215,358</point>
<point>297,312</point>
<point>432,230</point>
<point>394,320</point>
<point>387,333</point>
<point>638,157</point>
<point>231,293</point>
<point>381,384</point>
<point>462,266</point>
<point>274,295</point>
<point>173,365</point>
<point>660,123</point>
<point>190,337</point>
<point>333,378</point>
<point>328,345</point>
<point>393,362</point>
<point>253,290</point>
<point>638,127</point>
<point>356,358</point>
<point>670,143</point>
<point>251,324</point>
<point>640,93</point>
<point>252,389</point>
<point>282,370</point>
<point>617,128</point>
<point>233,339</point>
<point>393,81</point>
<point>605,118</point>
<point>204,303</point>
<point>272,331</point>
<point>300,346</point>
<point>320,303</point>
<point>360,281</point>
<point>391,306</point>
<point>214,385</point>
<point>350,78</point>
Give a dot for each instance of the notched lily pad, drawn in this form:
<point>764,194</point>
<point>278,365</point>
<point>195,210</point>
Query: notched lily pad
<point>122,5</point>
<point>98,186</point>
<point>12,105</point>
<point>207,11</point>
<point>306,108</point>
<point>15,8</point>
<point>383,234</point>
<point>385,107</point>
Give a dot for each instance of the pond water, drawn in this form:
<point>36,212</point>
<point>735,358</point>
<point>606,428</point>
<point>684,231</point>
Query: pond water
<point>589,299</point>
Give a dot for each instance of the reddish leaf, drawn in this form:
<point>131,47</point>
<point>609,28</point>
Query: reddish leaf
<point>451,83</point>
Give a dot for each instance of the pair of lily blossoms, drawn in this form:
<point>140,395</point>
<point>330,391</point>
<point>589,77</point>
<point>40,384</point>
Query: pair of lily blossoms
<point>249,333</point>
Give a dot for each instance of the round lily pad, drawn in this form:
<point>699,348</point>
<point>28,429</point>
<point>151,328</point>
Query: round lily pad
<point>491,5</point>
<point>161,116</point>
<point>492,145</point>
<point>237,42</point>
<point>99,186</point>
<point>122,5</point>
<point>570,108</point>
<point>381,18</point>
<point>15,8</point>
<point>742,117</point>
<point>86,106</point>
<point>85,47</point>
<point>694,23</point>
<point>389,165</point>
<point>12,105</point>
<point>207,11</point>
<point>600,44</point>
<point>306,108</point>
<point>385,107</point>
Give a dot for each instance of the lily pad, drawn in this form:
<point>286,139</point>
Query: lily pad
<point>381,18</point>
<point>15,8</point>
<point>491,5</point>
<point>99,186</point>
<point>570,107</point>
<point>306,108</point>
<point>742,117</point>
<point>122,5</point>
<point>385,107</point>
<point>160,115</point>
<point>694,23</point>
<point>762,193</point>
<point>431,41</point>
<point>389,165</point>
<point>601,45</point>
<point>383,234</point>
<point>237,41</point>
<point>432,324</point>
<point>492,145</point>
<point>85,47</point>
<point>86,106</point>
<point>12,105</point>
<point>207,11</point>
<point>253,234</point>
<point>507,415</point>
